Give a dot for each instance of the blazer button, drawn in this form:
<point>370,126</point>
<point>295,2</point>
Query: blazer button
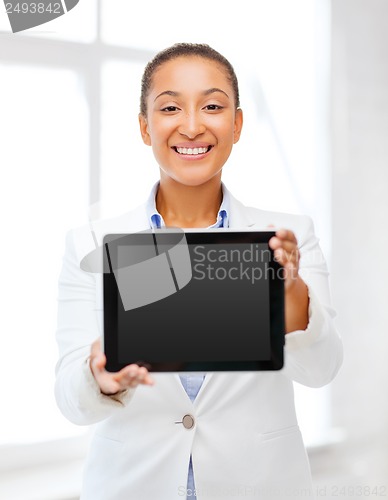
<point>188,421</point>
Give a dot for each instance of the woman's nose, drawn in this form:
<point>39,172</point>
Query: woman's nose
<point>191,125</point>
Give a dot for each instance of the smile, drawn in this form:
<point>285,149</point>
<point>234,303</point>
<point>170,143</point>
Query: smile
<point>192,151</point>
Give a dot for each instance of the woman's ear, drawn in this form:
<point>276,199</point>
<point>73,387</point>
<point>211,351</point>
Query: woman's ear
<point>144,129</point>
<point>238,123</point>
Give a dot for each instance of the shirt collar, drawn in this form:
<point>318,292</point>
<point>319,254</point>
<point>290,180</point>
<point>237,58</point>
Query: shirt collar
<point>156,220</point>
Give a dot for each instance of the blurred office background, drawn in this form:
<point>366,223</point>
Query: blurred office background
<point>314,90</point>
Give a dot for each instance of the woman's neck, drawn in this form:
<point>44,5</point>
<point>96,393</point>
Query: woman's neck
<point>189,206</point>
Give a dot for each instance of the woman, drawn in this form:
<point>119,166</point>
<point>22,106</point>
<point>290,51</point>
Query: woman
<point>245,441</point>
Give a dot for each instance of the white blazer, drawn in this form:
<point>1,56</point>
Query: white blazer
<point>245,442</point>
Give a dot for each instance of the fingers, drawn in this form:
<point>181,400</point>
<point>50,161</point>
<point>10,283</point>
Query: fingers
<point>127,378</point>
<point>286,234</point>
<point>110,383</point>
<point>287,255</point>
<point>285,239</point>
<point>132,376</point>
<point>286,252</point>
<point>285,247</point>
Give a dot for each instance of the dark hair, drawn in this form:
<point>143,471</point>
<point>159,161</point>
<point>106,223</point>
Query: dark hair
<point>184,49</point>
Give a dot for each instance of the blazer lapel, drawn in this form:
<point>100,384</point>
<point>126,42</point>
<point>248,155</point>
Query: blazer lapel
<point>238,213</point>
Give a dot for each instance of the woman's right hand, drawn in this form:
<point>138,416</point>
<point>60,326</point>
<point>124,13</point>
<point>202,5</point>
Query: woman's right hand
<point>113,382</point>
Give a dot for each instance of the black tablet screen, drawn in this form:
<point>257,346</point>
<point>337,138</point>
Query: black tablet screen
<point>219,315</point>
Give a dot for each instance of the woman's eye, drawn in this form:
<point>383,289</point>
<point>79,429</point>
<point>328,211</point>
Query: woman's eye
<point>170,108</point>
<point>213,107</point>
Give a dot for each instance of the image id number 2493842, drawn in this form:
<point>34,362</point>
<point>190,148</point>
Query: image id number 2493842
<point>33,8</point>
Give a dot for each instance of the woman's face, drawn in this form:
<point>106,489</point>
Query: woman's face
<point>192,121</point>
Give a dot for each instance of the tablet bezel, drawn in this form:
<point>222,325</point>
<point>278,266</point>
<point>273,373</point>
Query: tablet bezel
<point>199,236</point>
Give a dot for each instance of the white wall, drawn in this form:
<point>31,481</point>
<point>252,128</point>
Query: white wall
<point>359,134</point>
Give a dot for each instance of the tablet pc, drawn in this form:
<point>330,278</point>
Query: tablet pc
<point>193,300</point>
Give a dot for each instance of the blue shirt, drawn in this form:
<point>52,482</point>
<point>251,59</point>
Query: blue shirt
<point>191,383</point>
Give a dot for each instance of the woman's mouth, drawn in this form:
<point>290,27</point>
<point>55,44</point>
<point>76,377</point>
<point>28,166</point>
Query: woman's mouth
<point>194,152</point>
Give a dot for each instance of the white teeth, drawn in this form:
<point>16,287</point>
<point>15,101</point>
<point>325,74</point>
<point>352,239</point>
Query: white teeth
<point>192,151</point>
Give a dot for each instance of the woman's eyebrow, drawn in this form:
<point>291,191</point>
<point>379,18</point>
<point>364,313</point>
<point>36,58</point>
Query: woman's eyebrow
<point>213,90</point>
<point>168,92</point>
<point>205,92</point>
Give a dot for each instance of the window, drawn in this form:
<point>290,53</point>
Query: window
<point>44,157</point>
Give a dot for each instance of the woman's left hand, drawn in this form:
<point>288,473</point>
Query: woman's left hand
<point>285,246</point>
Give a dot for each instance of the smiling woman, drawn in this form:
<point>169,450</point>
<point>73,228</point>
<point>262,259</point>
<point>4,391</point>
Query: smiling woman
<point>190,113</point>
<point>284,97</point>
<point>190,116</point>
